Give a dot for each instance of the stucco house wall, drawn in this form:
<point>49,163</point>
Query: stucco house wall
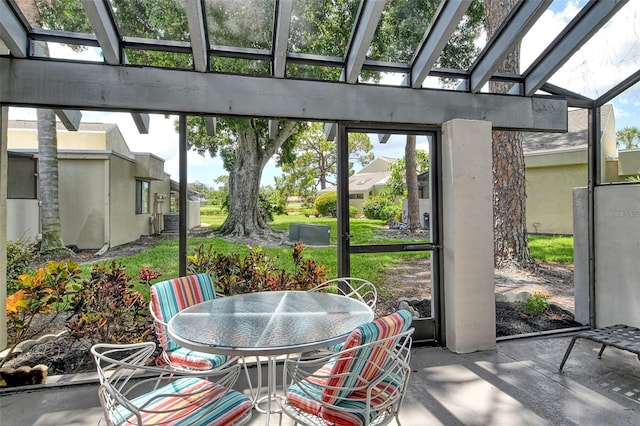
<point>556,163</point>
<point>97,187</point>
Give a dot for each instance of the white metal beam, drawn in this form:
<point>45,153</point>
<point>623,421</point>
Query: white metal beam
<point>365,28</point>
<point>12,31</point>
<point>520,20</point>
<point>210,125</point>
<point>593,16</point>
<point>142,122</point>
<point>198,34</point>
<point>282,24</point>
<point>116,88</point>
<point>70,118</point>
<point>101,19</point>
<point>367,20</point>
<point>444,23</point>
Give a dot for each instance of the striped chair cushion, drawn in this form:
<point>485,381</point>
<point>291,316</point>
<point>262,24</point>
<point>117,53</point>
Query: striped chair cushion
<point>193,360</point>
<point>167,406</point>
<point>352,368</point>
<point>308,400</point>
<point>171,296</point>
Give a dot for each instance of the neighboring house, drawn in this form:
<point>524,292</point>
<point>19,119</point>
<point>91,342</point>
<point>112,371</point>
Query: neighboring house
<point>556,163</point>
<point>367,182</point>
<point>108,195</point>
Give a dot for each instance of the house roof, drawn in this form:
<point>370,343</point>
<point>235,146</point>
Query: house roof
<point>366,181</point>
<point>87,127</point>
<point>576,136</point>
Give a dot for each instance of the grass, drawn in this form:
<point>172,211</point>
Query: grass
<point>551,248</point>
<point>163,257</point>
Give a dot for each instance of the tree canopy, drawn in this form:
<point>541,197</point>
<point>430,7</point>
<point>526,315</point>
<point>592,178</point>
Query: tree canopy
<point>315,164</point>
<point>628,137</point>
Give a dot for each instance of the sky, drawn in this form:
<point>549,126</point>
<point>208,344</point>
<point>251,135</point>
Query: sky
<point>618,56</point>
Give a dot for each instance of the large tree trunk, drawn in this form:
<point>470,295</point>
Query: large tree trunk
<point>48,181</point>
<point>413,207</point>
<point>244,218</point>
<point>511,248</point>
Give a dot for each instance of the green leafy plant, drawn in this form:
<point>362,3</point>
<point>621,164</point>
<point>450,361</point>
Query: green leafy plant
<point>42,292</point>
<point>535,304</point>
<point>373,207</point>
<point>20,257</point>
<point>327,204</point>
<point>233,274</point>
<point>107,308</point>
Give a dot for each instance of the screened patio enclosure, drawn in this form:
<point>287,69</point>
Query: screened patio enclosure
<point>284,78</point>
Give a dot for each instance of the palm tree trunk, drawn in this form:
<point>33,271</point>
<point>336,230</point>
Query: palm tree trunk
<point>48,182</point>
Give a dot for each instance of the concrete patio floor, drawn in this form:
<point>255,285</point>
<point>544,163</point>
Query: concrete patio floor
<point>516,384</point>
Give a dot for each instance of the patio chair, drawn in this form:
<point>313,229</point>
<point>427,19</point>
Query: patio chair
<point>361,385</point>
<point>357,288</point>
<point>167,299</point>
<point>134,393</point>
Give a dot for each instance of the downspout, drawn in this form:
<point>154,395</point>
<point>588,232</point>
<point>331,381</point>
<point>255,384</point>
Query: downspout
<point>107,211</point>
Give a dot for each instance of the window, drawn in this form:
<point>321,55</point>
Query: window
<point>142,197</point>
<point>22,177</point>
<point>356,196</point>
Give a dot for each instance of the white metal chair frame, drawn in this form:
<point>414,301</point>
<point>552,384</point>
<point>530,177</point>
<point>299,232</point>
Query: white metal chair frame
<point>158,322</point>
<point>357,288</point>
<point>124,375</point>
<point>396,369</point>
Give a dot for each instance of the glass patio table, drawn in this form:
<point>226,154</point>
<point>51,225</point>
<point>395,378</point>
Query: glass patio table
<point>268,324</point>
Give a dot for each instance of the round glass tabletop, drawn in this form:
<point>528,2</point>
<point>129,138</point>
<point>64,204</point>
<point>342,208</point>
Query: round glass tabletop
<point>268,323</point>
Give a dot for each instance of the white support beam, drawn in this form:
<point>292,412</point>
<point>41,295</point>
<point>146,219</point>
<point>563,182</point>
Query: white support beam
<point>70,118</point>
<point>444,23</point>
<point>12,31</point>
<point>383,138</point>
<point>590,19</point>
<point>210,125</point>
<point>198,33</point>
<point>142,122</point>
<point>282,24</point>
<point>99,14</point>
<point>520,20</point>
<point>364,30</point>
<point>116,88</point>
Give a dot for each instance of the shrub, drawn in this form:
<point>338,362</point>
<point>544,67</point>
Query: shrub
<point>373,207</point>
<point>535,304</point>
<point>107,308</point>
<point>232,274</point>
<point>392,212</point>
<point>20,257</point>
<point>353,211</point>
<point>42,292</point>
<point>327,204</point>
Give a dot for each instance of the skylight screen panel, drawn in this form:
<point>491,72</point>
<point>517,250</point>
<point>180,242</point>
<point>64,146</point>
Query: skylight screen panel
<point>246,23</point>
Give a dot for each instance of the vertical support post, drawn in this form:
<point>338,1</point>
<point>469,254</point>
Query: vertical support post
<point>467,192</point>
<point>4,121</point>
<point>182,199</point>
<point>593,180</point>
<point>344,261</point>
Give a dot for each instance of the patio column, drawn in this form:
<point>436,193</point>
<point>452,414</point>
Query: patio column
<point>467,192</point>
<point>4,120</point>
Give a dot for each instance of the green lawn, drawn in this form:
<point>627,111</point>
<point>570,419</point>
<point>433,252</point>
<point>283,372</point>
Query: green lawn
<point>164,256</point>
